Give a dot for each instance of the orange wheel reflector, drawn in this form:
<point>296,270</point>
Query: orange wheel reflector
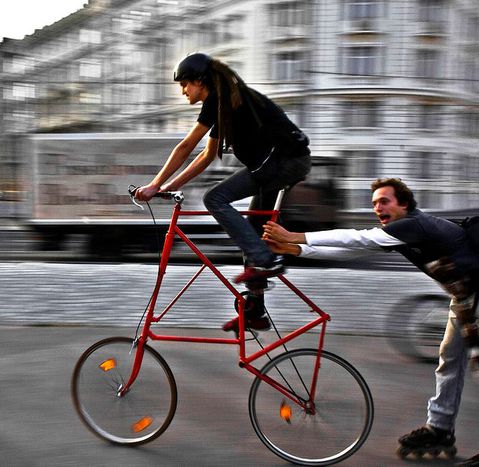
<point>141,424</point>
<point>285,412</point>
<point>108,365</point>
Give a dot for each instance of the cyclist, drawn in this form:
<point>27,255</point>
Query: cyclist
<point>274,151</point>
<point>439,248</point>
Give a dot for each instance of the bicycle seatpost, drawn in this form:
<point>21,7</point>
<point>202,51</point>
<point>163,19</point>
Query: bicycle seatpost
<point>279,199</point>
<point>277,204</point>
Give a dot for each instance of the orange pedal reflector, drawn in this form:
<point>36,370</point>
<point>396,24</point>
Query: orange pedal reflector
<point>141,424</point>
<point>108,365</point>
<point>285,412</point>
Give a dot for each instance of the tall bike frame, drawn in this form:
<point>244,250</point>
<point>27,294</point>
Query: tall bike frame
<point>296,377</point>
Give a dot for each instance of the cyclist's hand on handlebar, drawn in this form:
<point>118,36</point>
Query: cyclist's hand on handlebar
<point>145,193</point>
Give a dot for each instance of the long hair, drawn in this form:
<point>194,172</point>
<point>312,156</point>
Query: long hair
<point>231,92</point>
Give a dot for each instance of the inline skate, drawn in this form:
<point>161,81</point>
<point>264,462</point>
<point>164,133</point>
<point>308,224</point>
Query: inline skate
<point>427,440</point>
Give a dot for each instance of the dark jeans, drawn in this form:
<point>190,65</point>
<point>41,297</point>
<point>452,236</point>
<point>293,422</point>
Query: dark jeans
<point>264,189</point>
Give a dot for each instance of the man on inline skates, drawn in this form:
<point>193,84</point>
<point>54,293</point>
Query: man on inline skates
<point>440,249</point>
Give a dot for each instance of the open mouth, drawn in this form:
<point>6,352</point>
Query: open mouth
<point>384,218</point>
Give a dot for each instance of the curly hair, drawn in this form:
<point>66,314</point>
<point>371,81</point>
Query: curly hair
<point>402,192</point>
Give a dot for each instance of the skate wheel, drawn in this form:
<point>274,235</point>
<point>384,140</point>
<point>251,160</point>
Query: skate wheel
<point>402,452</point>
<point>419,453</point>
<point>451,452</point>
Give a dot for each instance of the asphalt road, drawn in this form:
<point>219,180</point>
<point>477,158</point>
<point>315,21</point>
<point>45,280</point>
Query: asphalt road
<point>51,312</point>
<point>211,428</point>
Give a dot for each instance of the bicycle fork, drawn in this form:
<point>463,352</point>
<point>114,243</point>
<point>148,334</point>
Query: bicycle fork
<point>138,344</point>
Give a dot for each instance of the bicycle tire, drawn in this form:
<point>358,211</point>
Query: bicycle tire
<point>417,324</point>
<point>343,402</point>
<point>139,416</point>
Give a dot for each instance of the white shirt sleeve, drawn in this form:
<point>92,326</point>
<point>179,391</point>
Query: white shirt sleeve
<point>371,239</point>
<point>332,252</point>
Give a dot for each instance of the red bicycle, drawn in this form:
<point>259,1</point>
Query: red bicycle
<point>308,406</point>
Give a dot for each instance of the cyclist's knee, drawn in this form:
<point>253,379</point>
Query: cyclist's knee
<point>213,199</point>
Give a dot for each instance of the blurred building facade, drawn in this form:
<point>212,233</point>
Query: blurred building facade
<point>386,88</point>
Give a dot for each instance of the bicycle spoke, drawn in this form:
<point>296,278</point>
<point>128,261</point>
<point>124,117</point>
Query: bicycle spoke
<point>285,380</point>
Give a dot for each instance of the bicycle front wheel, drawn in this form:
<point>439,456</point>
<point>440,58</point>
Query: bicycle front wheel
<point>329,429</point>
<point>143,412</point>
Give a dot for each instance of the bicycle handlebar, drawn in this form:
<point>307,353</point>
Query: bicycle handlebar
<point>177,196</point>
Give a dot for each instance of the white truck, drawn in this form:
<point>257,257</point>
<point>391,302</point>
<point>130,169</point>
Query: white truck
<point>80,197</point>
<point>75,192</point>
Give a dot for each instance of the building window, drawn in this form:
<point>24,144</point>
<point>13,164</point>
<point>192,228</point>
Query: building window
<point>469,168</point>
<point>429,117</point>
<point>359,199</point>
<point>427,63</point>
<point>361,164</point>
<point>288,66</point>
<point>470,28</point>
<point>360,114</point>
<point>90,68</point>
<point>289,14</point>
<point>431,10</point>
<point>362,9</point>
<point>89,98</point>
<point>428,199</point>
<point>17,64</point>
<point>426,165</point>
<point>19,92</point>
<point>230,28</point>
<point>471,74</point>
<point>361,60</point>
<point>90,36</point>
<point>469,123</point>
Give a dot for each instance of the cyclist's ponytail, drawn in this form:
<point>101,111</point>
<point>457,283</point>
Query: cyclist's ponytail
<point>229,88</point>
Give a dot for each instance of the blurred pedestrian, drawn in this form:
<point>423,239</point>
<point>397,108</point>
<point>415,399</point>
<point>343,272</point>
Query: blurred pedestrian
<point>273,150</point>
<point>440,249</point>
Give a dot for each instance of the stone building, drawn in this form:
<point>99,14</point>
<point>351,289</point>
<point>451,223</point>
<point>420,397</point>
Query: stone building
<point>384,88</point>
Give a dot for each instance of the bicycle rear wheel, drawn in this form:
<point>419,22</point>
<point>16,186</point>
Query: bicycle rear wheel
<point>140,415</point>
<point>343,409</point>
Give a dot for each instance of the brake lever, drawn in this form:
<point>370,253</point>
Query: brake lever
<point>132,190</point>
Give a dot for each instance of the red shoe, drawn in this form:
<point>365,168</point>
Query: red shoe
<point>257,324</point>
<point>254,273</point>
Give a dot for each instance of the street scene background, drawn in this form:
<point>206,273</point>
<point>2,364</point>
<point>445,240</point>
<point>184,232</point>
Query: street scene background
<point>88,106</point>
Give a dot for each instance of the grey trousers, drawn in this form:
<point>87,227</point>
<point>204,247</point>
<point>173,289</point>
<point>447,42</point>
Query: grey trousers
<point>450,374</point>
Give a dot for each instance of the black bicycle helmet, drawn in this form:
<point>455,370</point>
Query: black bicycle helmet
<point>194,66</point>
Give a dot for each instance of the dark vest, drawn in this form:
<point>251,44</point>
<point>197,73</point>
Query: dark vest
<point>429,238</point>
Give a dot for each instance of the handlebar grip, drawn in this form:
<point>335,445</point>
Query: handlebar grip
<point>176,196</point>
